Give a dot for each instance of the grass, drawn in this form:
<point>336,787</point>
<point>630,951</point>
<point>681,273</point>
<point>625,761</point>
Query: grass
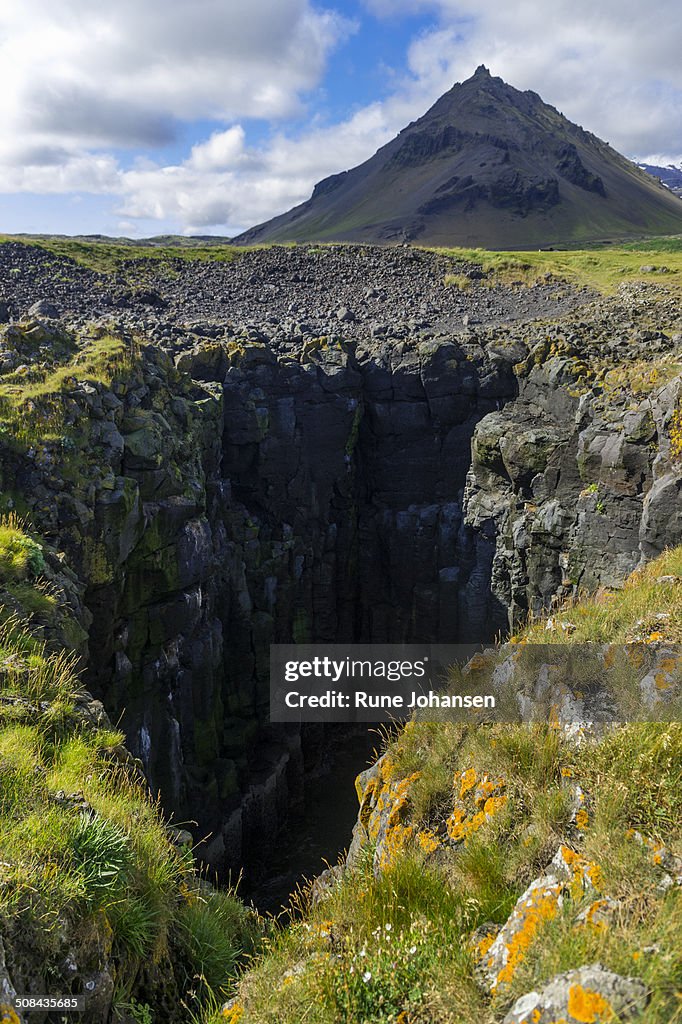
<point>20,555</point>
<point>84,848</point>
<point>638,377</point>
<point>32,401</point>
<point>643,610</point>
<point>112,257</point>
<point>21,563</point>
<point>397,947</point>
<point>602,269</point>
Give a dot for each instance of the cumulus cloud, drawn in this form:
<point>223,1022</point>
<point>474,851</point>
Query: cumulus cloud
<point>79,81</point>
<point>225,184</point>
<point>123,74</point>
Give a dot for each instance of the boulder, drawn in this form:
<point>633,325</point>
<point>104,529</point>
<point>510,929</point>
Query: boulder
<point>587,994</point>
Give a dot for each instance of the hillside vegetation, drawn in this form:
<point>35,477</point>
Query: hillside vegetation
<point>456,823</point>
<point>89,869</point>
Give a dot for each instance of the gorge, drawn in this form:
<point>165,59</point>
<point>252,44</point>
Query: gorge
<point>217,486</point>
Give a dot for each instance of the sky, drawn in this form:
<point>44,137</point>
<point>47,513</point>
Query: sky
<point>145,117</point>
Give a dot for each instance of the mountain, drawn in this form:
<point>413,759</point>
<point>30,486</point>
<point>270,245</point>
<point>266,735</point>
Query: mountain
<point>671,176</point>
<point>487,165</point>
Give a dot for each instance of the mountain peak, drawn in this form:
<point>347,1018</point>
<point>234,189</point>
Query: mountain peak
<point>486,165</point>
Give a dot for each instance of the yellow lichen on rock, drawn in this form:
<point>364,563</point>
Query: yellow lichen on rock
<point>233,1014</point>
<point>480,798</point>
<point>588,1007</point>
<point>581,872</point>
<point>582,819</point>
<point>539,906</point>
<point>394,843</point>
<point>428,840</point>
<point>467,780</point>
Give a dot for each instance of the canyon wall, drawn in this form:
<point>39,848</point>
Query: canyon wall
<point>378,491</point>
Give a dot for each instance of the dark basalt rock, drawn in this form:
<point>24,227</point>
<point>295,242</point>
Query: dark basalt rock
<point>571,167</point>
<point>256,483</point>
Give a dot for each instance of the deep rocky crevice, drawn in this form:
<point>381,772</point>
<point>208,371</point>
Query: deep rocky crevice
<point>379,492</point>
<point>435,484</point>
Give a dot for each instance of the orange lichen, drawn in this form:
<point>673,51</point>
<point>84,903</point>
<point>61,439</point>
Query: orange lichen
<point>467,781</point>
<point>477,663</point>
<point>542,907</point>
<point>479,800</point>
<point>592,913</point>
<point>454,821</point>
<point>493,804</point>
<point>395,842</point>
<point>582,869</point>
<point>487,787</point>
<point>662,681</point>
<point>587,1006</point>
<point>582,819</point>
<point>482,947</point>
<point>233,1014</point>
<point>428,840</point>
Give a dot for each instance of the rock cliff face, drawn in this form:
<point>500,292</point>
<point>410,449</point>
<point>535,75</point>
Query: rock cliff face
<point>577,482</point>
<point>232,491</point>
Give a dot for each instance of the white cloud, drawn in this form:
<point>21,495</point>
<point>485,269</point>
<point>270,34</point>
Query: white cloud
<point>123,73</point>
<point>78,79</point>
<point>220,151</point>
<point>613,67</point>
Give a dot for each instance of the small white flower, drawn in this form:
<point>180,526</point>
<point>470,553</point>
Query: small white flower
<point>367,976</point>
<point>413,950</point>
<point>388,927</point>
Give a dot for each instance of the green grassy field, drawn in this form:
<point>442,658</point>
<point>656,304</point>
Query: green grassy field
<point>603,269</point>
<point>400,945</point>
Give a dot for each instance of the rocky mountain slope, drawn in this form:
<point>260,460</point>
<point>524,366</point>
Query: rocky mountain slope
<point>489,166</point>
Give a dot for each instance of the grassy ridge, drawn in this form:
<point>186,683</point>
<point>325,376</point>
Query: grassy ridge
<point>602,267</point>
<point>109,257</point>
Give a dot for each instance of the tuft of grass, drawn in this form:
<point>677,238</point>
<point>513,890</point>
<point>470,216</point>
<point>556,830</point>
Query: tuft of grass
<point>20,555</point>
<point>214,930</point>
<point>459,281</point>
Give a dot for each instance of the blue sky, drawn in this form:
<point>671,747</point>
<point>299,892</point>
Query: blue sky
<point>207,116</point>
